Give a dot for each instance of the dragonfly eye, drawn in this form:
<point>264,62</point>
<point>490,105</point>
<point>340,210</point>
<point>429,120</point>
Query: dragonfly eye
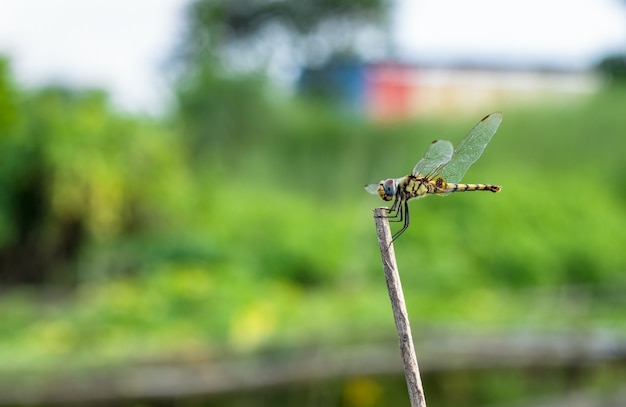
<point>387,189</point>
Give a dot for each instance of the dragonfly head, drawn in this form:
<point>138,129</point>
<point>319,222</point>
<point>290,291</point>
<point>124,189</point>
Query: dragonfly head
<point>387,189</point>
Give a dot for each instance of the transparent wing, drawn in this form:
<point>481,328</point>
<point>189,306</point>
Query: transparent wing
<point>439,152</point>
<point>469,149</point>
<point>372,188</point>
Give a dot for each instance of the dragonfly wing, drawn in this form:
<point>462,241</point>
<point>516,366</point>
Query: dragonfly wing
<point>439,152</point>
<point>372,188</point>
<point>470,148</point>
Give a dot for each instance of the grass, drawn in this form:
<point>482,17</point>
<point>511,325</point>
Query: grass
<point>273,245</point>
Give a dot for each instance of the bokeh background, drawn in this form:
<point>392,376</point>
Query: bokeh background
<point>183,220</point>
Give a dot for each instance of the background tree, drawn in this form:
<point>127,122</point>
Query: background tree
<point>76,177</point>
<point>230,45</point>
<point>244,34</point>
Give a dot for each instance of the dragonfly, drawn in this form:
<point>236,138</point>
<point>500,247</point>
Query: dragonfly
<point>439,172</point>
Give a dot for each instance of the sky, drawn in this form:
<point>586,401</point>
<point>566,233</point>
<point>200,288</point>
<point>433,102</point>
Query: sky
<point>124,45</point>
<point>120,45</point>
<point>565,33</point>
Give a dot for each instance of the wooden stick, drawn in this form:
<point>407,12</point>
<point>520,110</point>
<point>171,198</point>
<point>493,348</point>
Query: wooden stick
<point>400,315</point>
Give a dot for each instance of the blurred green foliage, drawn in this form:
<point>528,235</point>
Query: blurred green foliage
<point>614,67</point>
<point>242,224</point>
<point>238,224</point>
<point>76,174</point>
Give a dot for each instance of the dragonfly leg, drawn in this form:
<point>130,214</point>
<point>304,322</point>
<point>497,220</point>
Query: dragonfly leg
<point>395,213</point>
<point>404,210</point>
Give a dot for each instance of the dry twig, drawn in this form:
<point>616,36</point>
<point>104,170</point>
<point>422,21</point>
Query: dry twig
<point>400,315</point>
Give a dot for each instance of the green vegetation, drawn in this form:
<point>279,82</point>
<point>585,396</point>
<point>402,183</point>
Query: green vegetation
<point>236,225</point>
<point>258,234</point>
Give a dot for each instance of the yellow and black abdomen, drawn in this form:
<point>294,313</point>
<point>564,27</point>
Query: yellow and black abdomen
<point>450,187</point>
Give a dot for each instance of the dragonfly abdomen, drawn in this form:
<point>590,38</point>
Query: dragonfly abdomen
<point>452,187</point>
